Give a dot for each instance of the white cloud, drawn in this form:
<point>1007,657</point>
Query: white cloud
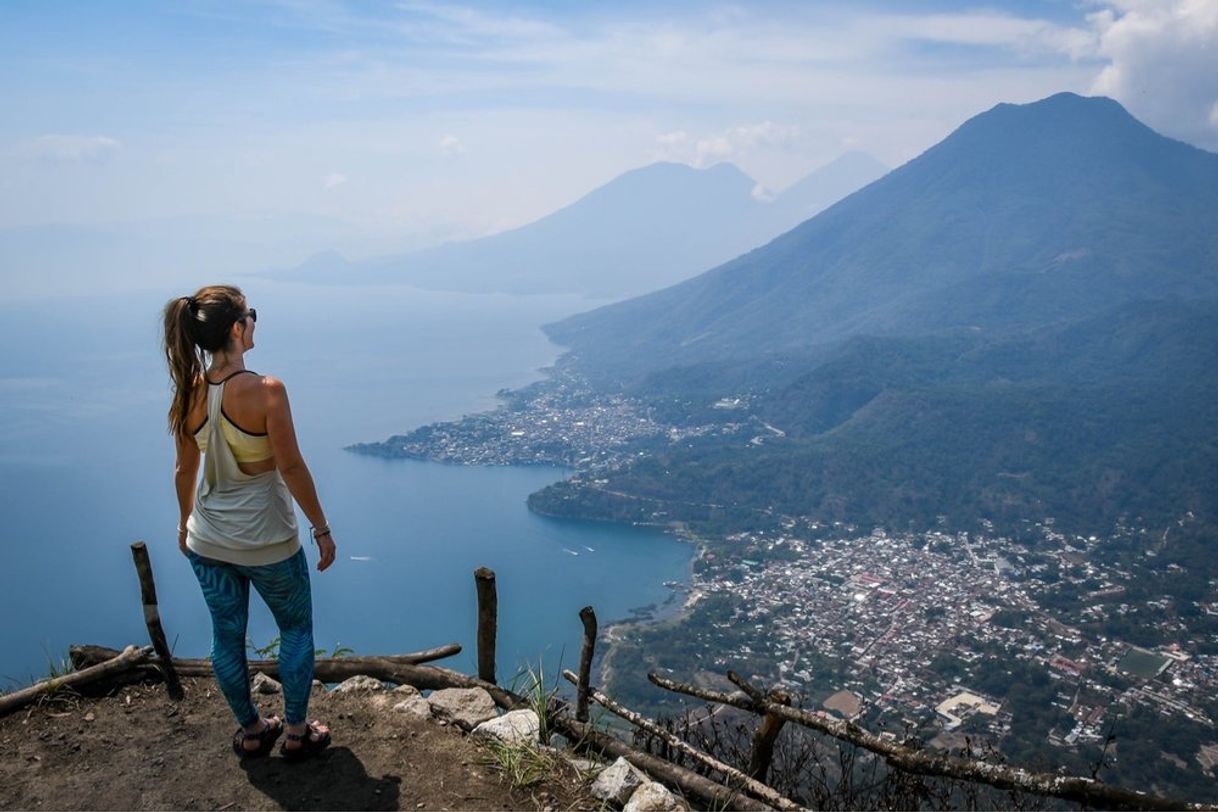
<point>713,149</point>
<point>1162,63</point>
<point>725,56</point>
<point>730,144</point>
<point>766,133</point>
<point>1023,35</point>
<point>74,148</point>
<point>451,145</point>
<point>761,192</point>
<point>564,97</point>
<point>463,24</point>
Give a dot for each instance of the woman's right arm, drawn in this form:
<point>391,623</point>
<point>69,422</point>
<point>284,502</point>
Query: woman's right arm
<point>291,464</point>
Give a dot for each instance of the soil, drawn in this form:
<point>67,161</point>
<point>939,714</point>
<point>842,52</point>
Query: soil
<point>139,750</point>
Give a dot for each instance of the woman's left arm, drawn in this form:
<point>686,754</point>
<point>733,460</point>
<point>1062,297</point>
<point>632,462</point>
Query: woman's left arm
<point>185,471</point>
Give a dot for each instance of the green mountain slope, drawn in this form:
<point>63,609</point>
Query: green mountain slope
<point>1113,416</point>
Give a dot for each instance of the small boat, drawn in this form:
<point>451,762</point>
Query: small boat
<point>589,549</point>
<point>568,550</point>
<point>361,558</point>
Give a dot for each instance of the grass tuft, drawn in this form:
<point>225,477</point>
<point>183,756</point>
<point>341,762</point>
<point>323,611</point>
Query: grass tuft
<point>542,698</point>
<point>59,667</point>
<point>523,764</point>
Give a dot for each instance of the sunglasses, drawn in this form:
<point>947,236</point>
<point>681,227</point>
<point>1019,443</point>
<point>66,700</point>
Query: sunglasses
<point>251,314</point>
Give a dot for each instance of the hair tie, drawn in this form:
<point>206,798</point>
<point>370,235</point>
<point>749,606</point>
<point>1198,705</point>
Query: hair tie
<point>191,302</point>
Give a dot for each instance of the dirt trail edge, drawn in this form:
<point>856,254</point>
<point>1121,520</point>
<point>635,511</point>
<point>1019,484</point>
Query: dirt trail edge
<point>139,750</point>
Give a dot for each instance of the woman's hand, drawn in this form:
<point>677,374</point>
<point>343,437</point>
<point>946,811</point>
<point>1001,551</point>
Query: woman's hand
<point>326,546</point>
<point>182,540</point>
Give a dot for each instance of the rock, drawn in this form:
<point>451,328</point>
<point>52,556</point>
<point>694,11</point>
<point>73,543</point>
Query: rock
<point>392,698</point>
<point>653,797</point>
<point>617,782</point>
<point>358,685</point>
<point>413,707</point>
<point>465,707</point>
<point>586,765</point>
<point>263,684</point>
<point>319,687</point>
<point>518,726</point>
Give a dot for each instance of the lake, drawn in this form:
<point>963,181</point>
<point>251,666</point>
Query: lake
<point>86,468</point>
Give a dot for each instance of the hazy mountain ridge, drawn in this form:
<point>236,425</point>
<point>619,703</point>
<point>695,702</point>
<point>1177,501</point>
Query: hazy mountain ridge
<point>642,231</point>
<point>83,259</point>
<point>1026,215</point>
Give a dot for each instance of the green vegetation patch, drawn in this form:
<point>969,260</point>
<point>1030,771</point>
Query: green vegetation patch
<point>1142,663</point>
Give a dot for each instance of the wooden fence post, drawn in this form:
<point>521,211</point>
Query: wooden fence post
<point>763,740</point>
<point>488,622</point>
<point>152,618</point>
<point>588,616</point>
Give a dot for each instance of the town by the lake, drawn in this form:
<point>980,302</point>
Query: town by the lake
<point>1013,641</point>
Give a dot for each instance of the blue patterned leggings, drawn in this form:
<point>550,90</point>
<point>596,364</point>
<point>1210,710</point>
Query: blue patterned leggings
<point>285,588</point>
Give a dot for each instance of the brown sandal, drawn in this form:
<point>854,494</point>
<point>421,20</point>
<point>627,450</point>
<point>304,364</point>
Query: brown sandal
<point>266,740</point>
<point>309,746</point>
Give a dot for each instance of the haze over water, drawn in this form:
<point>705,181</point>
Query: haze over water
<point>87,468</point>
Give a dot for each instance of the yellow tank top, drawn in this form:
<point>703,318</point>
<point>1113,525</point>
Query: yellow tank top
<point>246,446</point>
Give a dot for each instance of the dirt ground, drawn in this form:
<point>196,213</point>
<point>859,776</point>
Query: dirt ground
<point>139,750</point>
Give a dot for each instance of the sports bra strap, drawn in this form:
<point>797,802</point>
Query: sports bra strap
<point>227,377</point>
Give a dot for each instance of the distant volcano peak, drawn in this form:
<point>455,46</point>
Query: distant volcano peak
<point>972,232</point>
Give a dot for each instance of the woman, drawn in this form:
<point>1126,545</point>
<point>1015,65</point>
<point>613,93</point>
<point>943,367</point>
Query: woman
<point>239,527</point>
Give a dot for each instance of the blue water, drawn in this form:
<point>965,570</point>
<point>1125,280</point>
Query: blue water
<point>86,468</point>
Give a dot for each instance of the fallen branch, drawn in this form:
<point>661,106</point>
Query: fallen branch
<point>582,736</point>
<point>395,669</point>
<point>736,777</point>
<point>716,796</point>
<point>1081,790</point>
<point>128,658</point>
<point>326,669</point>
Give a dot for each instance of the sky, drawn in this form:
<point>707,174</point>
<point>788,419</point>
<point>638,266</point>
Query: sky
<point>409,122</point>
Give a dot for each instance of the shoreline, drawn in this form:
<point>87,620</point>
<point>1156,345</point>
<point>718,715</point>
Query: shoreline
<point>671,611</point>
<point>444,442</point>
<point>673,608</point>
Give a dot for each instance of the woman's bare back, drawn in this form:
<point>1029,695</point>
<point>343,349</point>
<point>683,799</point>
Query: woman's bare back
<point>245,407</point>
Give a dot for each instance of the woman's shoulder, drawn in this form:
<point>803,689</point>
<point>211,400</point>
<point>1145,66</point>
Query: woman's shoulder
<point>262,387</point>
<point>270,383</point>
